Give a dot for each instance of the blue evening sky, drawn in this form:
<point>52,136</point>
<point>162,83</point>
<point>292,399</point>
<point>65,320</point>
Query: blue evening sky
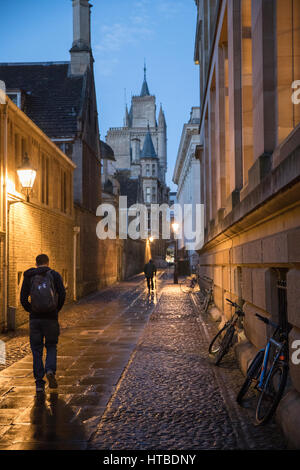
<point>123,33</point>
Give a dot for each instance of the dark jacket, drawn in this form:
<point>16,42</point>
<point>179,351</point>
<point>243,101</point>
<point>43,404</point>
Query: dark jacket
<point>25,292</point>
<point>149,269</point>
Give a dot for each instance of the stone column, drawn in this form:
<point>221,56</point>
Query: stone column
<point>247,98</point>
<point>220,130</point>
<point>212,154</point>
<point>235,98</point>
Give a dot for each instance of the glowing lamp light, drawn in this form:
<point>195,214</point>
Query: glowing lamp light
<point>151,239</point>
<point>26,175</point>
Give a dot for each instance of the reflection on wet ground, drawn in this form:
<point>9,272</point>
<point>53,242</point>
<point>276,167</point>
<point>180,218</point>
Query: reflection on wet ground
<point>91,358</point>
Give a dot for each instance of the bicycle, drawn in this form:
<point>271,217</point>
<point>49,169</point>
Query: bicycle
<point>207,298</point>
<point>268,379</point>
<point>189,284</point>
<point>224,339</point>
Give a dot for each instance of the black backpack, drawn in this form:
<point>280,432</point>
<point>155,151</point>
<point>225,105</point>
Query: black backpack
<point>43,294</point>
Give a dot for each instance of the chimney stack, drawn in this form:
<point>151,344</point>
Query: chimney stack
<point>81,51</point>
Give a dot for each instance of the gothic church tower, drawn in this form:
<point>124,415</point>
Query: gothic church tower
<point>141,132</point>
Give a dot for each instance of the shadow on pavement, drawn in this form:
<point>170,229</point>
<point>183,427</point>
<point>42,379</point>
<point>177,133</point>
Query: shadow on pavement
<point>51,425</point>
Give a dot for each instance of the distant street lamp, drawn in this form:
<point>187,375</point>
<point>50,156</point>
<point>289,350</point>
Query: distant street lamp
<point>151,239</point>
<point>27,176</point>
<point>175,227</point>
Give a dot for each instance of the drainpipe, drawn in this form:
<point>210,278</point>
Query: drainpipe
<point>6,221</point>
<point>76,231</point>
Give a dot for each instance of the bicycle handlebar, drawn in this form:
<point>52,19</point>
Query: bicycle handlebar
<point>233,303</point>
<point>237,307</point>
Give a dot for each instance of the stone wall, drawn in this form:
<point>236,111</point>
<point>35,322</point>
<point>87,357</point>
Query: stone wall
<point>134,257</point>
<point>250,172</point>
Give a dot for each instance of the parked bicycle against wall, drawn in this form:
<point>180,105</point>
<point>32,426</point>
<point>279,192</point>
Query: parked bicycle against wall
<point>206,293</point>
<point>224,339</point>
<point>268,373</point>
<point>189,284</point>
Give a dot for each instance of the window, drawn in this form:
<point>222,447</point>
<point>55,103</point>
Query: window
<point>15,98</point>
<point>153,194</point>
<point>23,147</point>
<point>147,169</point>
<point>63,194</point>
<point>153,169</point>
<point>67,148</point>
<point>148,195</point>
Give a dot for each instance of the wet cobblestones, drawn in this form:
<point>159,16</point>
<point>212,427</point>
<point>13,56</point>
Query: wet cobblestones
<point>17,342</point>
<point>133,373</point>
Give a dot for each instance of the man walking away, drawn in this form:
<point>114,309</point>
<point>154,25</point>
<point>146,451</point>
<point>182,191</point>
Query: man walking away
<point>47,296</point>
<point>150,271</point>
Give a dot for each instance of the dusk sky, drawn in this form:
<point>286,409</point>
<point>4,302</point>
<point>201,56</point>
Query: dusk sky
<point>124,32</point>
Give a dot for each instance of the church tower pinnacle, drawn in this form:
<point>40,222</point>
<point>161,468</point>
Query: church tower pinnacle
<point>145,88</point>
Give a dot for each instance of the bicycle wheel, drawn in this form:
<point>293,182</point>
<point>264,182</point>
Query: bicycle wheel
<point>207,303</point>
<point>216,342</point>
<point>225,345</point>
<point>187,286</point>
<point>271,393</point>
<point>252,373</point>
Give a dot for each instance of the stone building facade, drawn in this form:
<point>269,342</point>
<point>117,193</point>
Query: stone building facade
<point>45,223</point>
<point>248,53</point>
<point>187,176</point>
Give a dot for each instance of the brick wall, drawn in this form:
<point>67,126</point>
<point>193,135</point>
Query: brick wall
<point>33,230</point>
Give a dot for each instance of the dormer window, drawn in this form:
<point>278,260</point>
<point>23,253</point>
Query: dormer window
<point>15,97</point>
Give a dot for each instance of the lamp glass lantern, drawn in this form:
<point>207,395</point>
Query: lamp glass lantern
<point>26,175</point>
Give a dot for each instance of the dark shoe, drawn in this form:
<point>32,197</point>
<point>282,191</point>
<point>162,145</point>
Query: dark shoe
<point>51,379</point>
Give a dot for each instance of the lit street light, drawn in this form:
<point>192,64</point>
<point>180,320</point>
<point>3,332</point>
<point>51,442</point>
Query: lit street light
<point>26,176</point>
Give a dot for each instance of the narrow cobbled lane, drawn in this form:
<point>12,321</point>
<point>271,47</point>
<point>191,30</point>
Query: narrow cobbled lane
<point>171,397</point>
<point>133,373</point>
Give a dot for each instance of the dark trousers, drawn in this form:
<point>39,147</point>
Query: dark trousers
<point>150,282</point>
<point>40,330</point>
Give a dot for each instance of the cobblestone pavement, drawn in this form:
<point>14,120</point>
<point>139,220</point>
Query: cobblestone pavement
<point>17,342</point>
<point>171,397</point>
<point>133,374</point>
<point>97,339</point>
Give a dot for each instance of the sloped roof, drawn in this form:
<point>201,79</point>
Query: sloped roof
<point>128,187</point>
<point>107,152</point>
<point>53,100</point>
<point>148,148</point>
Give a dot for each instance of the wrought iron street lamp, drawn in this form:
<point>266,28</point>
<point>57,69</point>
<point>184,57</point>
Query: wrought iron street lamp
<point>27,176</point>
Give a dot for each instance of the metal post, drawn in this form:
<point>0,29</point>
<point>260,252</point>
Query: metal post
<point>176,263</point>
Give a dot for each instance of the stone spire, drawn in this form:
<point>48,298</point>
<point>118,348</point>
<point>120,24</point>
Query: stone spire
<point>81,51</point>
<point>148,148</point>
<point>126,118</point>
<point>161,117</point>
<point>145,89</point>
